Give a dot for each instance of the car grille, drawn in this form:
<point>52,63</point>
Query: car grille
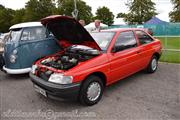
<point>44,74</point>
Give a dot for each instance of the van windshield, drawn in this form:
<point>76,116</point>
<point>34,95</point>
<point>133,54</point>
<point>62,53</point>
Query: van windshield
<point>15,34</point>
<point>34,33</point>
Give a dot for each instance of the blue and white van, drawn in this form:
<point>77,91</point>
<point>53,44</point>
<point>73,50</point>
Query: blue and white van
<point>27,42</point>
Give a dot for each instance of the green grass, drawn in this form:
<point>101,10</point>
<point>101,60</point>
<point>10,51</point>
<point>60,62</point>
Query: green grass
<point>172,43</point>
<point>170,56</point>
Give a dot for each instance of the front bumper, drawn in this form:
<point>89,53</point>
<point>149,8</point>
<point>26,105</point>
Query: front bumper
<point>57,91</point>
<point>16,71</point>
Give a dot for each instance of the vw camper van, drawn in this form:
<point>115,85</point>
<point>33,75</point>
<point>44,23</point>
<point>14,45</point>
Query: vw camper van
<point>27,43</point>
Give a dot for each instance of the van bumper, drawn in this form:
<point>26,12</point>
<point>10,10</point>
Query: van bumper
<point>16,71</point>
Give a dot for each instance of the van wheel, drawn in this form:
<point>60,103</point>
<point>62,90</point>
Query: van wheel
<point>152,67</point>
<point>2,63</point>
<point>91,91</point>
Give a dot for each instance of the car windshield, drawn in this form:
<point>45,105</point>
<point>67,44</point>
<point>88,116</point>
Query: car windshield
<point>15,34</point>
<point>103,39</point>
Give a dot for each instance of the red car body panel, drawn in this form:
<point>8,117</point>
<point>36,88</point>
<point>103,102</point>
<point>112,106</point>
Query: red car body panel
<point>114,66</point>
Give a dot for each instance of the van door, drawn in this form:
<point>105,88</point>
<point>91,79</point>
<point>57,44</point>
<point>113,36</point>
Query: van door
<point>34,44</point>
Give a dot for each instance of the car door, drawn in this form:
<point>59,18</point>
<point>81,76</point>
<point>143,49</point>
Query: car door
<point>146,47</point>
<point>34,44</point>
<point>124,58</point>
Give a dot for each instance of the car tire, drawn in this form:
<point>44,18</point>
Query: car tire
<point>153,64</point>
<point>91,91</point>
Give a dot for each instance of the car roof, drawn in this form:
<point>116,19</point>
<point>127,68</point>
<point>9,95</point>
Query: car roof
<point>26,24</point>
<point>122,29</point>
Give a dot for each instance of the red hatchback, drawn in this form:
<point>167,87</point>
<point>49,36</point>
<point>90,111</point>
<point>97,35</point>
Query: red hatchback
<point>88,62</point>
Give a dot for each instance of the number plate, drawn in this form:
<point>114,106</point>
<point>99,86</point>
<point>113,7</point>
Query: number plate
<point>40,90</point>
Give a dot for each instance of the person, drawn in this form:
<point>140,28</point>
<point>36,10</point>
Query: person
<point>82,22</point>
<point>97,25</point>
<point>150,31</point>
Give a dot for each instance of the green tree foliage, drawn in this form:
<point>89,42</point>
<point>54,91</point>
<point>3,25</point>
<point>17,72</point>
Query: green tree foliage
<point>6,16</point>
<point>140,11</point>
<point>37,9</point>
<point>121,15</point>
<point>66,7</point>
<point>175,14</point>
<point>105,15</point>
<point>18,16</point>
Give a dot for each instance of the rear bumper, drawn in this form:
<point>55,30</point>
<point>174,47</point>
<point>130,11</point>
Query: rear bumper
<point>57,91</point>
<point>16,71</point>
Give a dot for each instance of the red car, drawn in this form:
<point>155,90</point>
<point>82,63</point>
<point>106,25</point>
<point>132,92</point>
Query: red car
<point>88,62</point>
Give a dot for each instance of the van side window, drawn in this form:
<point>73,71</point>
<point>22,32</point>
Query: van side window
<point>124,41</point>
<point>143,37</point>
<point>33,33</point>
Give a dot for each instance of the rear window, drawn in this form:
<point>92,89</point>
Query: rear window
<point>143,37</point>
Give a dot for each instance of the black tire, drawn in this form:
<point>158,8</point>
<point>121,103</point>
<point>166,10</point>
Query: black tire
<point>151,68</point>
<point>83,95</point>
<point>2,63</point>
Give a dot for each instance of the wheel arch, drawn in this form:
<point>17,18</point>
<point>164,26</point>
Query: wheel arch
<point>99,74</point>
<point>157,55</point>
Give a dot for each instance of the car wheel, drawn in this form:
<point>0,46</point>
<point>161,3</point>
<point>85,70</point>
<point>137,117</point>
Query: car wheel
<point>152,67</point>
<point>91,91</point>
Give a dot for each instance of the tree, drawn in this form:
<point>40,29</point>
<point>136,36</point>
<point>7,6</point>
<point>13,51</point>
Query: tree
<point>140,11</point>
<point>18,16</point>
<point>6,16</point>
<point>37,9</point>
<point>175,14</point>
<point>121,15</point>
<point>105,15</point>
<point>66,7</point>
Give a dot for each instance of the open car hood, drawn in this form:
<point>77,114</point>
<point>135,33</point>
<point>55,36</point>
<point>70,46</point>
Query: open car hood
<point>69,31</point>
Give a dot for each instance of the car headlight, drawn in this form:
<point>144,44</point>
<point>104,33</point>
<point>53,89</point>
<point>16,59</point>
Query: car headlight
<point>12,58</point>
<point>60,78</point>
<point>33,69</point>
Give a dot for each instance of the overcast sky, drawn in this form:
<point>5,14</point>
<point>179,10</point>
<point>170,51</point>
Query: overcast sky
<point>163,7</point>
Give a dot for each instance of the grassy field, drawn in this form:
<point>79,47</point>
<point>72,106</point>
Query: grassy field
<point>172,43</point>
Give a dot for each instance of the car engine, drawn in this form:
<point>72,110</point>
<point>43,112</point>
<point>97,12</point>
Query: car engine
<point>71,57</point>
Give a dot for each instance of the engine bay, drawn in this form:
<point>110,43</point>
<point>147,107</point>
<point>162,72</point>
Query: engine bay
<point>71,57</point>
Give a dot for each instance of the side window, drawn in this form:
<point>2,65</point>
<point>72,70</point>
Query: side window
<point>124,41</point>
<point>33,33</point>
<point>143,37</point>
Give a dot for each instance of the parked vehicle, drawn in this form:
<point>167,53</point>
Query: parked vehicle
<point>3,40</point>
<point>27,42</point>
<point>90,62</point>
